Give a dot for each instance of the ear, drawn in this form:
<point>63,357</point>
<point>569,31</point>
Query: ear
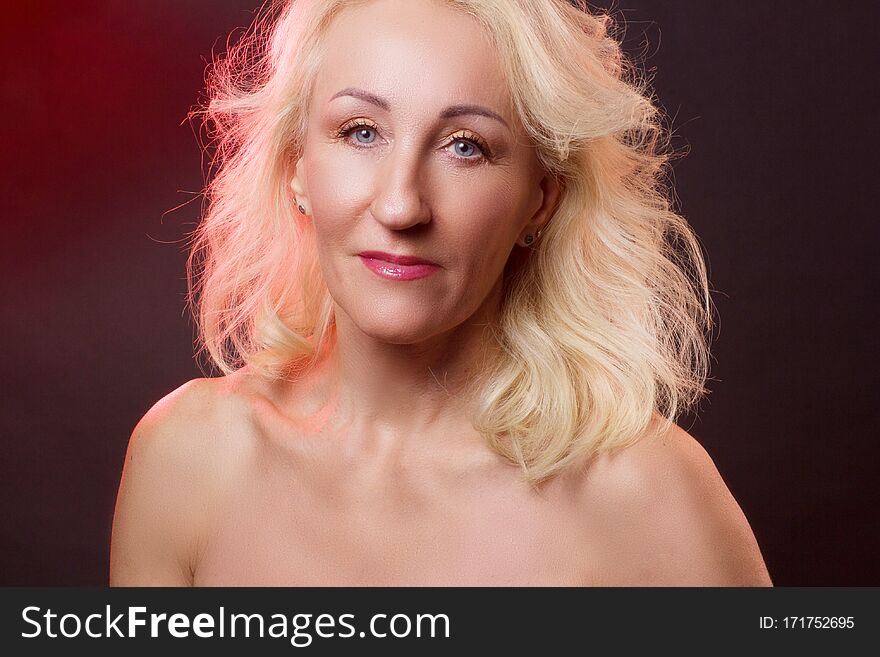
<point>549,191</point>
<point>298,185</point>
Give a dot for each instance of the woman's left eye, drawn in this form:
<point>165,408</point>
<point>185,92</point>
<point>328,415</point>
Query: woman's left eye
<point>470,148</point>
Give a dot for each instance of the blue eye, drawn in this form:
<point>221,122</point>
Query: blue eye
<point>469,148</point>
<point>360,133</point>
<point>467,145</point>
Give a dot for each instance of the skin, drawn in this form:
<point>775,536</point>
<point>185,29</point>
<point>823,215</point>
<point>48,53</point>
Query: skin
<point>334,479</point>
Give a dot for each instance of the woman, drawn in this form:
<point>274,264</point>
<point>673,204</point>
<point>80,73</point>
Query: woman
<point>455,313</point>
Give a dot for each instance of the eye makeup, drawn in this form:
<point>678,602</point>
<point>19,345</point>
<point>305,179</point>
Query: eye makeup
<point>460,136</point>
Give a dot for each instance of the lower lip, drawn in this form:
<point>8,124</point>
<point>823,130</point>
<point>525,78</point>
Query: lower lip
<point>397,272</point>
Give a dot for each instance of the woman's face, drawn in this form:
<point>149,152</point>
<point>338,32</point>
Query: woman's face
<point>412,149</point>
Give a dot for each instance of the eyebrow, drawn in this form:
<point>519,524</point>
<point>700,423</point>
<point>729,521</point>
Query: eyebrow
<point>449,112</point>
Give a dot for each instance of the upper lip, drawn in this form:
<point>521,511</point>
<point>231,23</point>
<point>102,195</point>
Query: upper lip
<point>396,259</point>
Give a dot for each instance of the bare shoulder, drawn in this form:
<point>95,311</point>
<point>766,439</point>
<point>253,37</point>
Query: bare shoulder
<point>665,517</point>
<point>181,457</point>
<point>195,424</point>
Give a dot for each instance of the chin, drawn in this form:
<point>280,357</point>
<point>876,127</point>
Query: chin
<point>402,330</point>
<point>398,323</point>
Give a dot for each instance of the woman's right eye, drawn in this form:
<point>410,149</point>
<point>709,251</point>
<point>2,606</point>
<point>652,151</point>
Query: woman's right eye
<point>363,133</point>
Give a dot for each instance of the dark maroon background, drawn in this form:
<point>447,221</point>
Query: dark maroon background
<point>777,103</point>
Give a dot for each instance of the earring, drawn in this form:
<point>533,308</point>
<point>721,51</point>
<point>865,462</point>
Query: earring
<point>530,238</point>
<point>301,209</point>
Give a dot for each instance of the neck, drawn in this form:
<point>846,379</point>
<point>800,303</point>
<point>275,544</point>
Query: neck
<point>400,391</point>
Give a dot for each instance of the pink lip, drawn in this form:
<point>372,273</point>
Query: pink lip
<point>396,259</point>
<point>397,267</point>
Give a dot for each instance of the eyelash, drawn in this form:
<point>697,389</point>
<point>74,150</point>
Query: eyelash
<point>346,129</point>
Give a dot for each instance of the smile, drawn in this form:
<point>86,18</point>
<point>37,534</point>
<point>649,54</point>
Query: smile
<point>400,268</point>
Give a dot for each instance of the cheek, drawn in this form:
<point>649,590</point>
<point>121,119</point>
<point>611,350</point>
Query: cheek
<point>336,196</point>
<point>484,219</point>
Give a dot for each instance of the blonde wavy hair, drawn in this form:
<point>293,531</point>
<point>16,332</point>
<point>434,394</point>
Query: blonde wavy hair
<point>604,325</point>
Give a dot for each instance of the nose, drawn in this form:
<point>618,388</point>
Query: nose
<point>398,200</point>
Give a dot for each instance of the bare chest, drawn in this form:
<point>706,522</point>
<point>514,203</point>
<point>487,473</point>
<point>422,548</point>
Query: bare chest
<point>285,526</point>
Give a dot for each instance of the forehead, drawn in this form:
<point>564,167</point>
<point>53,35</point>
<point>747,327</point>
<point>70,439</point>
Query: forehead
<point>416,52</point>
